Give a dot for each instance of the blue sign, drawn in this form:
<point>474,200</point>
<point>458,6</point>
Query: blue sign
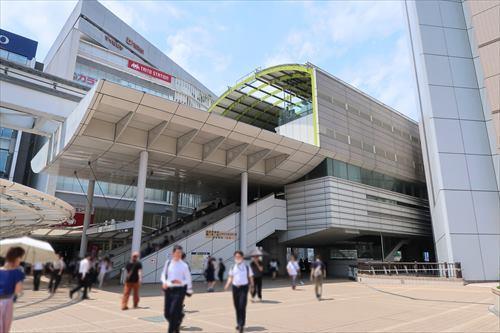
<point>18,44</point>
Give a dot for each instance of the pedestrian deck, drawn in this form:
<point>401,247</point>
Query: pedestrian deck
<point>346,307</point>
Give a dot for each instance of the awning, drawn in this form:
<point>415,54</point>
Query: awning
<point>105,134</point>
<point>23,209</point>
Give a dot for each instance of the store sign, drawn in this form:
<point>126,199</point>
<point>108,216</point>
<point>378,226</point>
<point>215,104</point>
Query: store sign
<point>85,79</point>
<point>216,234</point>
<point>134,45</point>
<point>18,44</point>
<point>113,42</point>
<point>149,71</point>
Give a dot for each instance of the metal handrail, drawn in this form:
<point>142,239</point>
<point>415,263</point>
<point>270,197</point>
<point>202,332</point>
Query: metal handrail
<point>436,269</point>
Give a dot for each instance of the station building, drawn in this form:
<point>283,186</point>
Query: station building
<point>289,158</point>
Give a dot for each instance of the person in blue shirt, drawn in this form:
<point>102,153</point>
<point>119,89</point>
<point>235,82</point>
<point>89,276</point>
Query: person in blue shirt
<point>11,284</point>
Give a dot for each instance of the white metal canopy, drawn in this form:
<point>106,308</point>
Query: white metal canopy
<point>113,124</point>
<point>23,209</point>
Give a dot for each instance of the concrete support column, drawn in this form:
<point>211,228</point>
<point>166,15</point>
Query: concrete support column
<point>175,206</point>
<point>86,219</point>
<point>139,201</point>
<point>243,211</point>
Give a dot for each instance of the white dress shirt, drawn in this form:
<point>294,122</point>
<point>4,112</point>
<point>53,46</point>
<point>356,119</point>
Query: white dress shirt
<point>84,267</point>
<point>177,270</point>
<point>38,266</point>
<point>292,268</point>
<point>58,265</point>
<point>240,274</point>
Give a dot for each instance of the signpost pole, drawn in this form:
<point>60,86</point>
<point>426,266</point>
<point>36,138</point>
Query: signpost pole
<point>243,211</point>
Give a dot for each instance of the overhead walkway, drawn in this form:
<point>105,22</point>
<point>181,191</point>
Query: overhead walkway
<point>220,239</point>
<point>171,233</point>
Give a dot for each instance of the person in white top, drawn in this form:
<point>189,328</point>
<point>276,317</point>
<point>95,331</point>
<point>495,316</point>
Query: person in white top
<point>176,283</point>
<point>240,276</point>
<point>104,266</point>
<point>293,268</point>
<point>56,274</point>
<point>83,271</point>
<point>37,275</point>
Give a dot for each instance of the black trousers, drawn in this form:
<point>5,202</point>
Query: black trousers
<point>240,297</point>
<point>82,283</point>
<point>221,276</point>
<point>257,287</point>
<point>37,275</point>
<point>55,279</point>
<point>174,302</point>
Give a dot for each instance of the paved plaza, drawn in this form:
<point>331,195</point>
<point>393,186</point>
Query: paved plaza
<point>347,307</point>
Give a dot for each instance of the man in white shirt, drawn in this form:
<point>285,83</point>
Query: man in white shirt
<point>240,276</point>
<point>293,269</point>
<point>37,275</point>
<point>56,274</point>
<point>176,283</point>
<point>83,271</point>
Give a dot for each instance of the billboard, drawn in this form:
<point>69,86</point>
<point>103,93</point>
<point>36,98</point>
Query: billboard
<point>18,44</point>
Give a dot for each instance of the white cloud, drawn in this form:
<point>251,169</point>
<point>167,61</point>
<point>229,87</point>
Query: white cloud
<point>45,20</point>
<point>193,49</point>
<point>366,39</point>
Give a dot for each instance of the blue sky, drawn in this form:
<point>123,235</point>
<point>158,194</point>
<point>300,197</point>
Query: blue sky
<point>362,43</point>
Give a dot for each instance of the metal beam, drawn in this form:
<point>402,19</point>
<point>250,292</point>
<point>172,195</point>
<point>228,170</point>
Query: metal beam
<point>185,139</point>
<point>155,132</point>
<point>122,124</point>
<point>233,153</point>
<point>255,158</point>
<point>210,147</point>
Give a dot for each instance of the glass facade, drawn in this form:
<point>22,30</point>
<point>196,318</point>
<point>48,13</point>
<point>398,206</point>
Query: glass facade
<point>7,141</point>
<point>14,57</point>
<point>295,111</point>
<point>70,184</point>
<point>89,72</point>
<point>331,167</point>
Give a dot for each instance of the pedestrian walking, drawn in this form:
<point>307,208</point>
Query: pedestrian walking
<point>221,270</point>
<point>240,277</point>
<point>11,284</point>
<point>56,274</point>
<point>37,275</point>
<point>133,280</point>
<point>210,274</point>
<point>293,269</point>
<point>318,272</point>
<point>104,266</point>
<point>83,277</point>
<point>176,283</point>
<point>273,267</point>
<point>258,272</point>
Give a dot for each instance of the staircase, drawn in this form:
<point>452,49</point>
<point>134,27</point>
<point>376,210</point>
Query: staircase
<point>121,255</point>
<point>220,239</point>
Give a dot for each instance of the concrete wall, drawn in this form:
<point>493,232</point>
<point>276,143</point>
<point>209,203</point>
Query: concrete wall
<point>459,165</point>
<point>329,202</point>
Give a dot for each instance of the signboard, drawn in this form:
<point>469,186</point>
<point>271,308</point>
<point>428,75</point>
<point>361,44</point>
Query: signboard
<point>85,79</point>
<point>18,44</point>
<point>134,45</point>
<point>216,234</point>
<point>113,42</point>
<point>198,261</point>
<point>343,254</point>
<point>149,71</point>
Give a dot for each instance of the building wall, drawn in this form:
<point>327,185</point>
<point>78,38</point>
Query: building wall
<point>463,192</point>
<point>357,129</point>
<point>330,202</point>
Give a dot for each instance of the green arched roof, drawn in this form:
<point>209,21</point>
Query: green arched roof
<point>260,98</point>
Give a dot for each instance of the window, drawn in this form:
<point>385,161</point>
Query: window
<point>354,173</point>
<point>340,169</point>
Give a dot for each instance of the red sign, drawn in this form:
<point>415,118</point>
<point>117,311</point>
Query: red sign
<point>84,79</point>
<point>134,45</point>
<point>149,71</point>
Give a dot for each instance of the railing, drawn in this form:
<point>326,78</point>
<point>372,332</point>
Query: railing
<point>172,232</point>
<point>415,269</point>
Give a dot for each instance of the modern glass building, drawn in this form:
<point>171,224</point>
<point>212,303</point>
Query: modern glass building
<point>457,68</point>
